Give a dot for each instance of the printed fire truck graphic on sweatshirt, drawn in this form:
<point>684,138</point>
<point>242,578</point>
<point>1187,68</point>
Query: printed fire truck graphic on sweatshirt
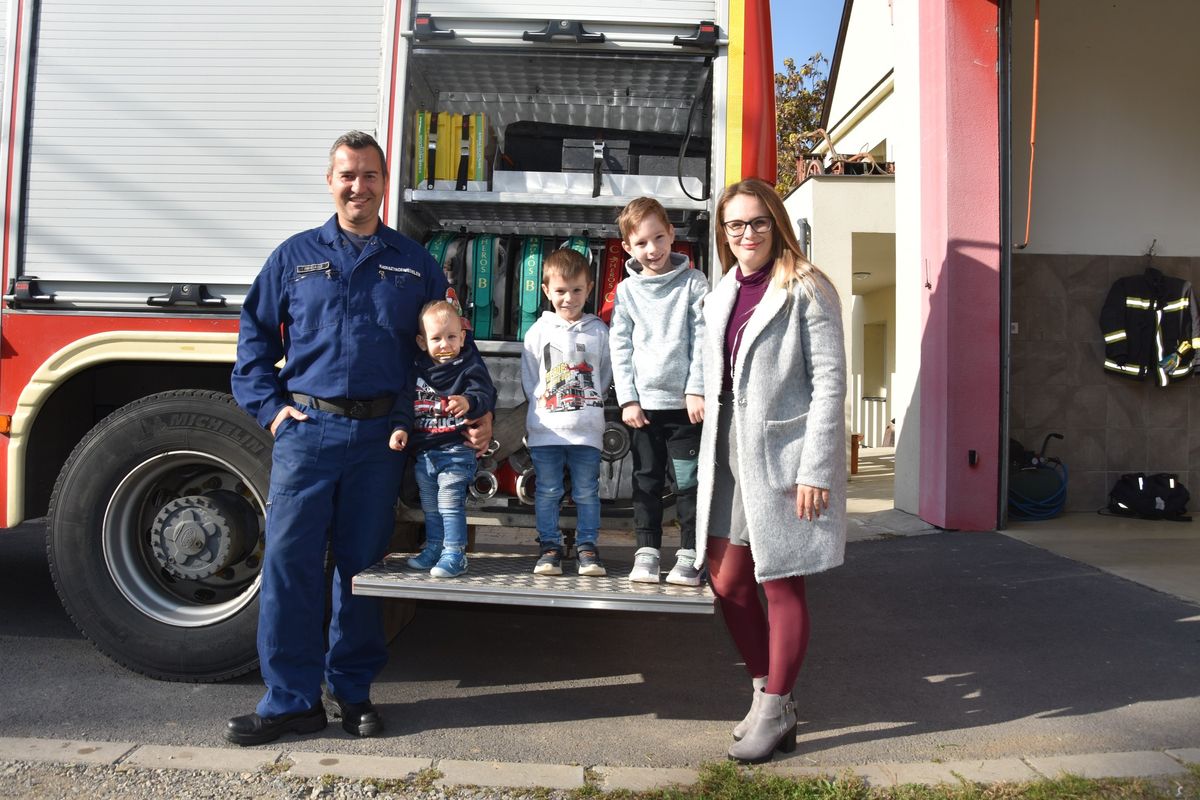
<point>570,382</point>
<point>430,414</point>
<point>566,374</point>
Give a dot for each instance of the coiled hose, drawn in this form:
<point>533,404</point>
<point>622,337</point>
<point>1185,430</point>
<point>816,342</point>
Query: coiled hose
<point>1041,507</point>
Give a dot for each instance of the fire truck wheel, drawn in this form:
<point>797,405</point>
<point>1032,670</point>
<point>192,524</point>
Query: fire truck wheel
<point>155,535</point>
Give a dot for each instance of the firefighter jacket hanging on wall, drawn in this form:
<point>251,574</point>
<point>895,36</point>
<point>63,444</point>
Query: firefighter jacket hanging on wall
<point>1150,325</point>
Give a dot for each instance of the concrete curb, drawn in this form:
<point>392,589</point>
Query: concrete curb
<point>1109,765</point>
<point>1138,764</point>
<point>314,765</point>
<point>213,759</point>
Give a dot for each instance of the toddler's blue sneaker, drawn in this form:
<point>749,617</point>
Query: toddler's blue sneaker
<point>450,565</point>
<point>425,559</point>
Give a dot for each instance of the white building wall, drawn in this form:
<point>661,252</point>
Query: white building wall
<point>1117,118</point>
<point>823,201</point>
<point>866,55</point>
<point>869,133</point>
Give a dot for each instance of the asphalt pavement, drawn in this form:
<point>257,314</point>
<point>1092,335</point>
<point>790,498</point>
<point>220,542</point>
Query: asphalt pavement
<point>933,648</point>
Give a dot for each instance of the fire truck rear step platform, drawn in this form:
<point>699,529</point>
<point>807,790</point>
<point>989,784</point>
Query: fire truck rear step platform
<point>508,579</point>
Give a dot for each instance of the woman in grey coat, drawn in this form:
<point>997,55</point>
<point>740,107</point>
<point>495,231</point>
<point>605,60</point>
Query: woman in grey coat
<point>771,504</point>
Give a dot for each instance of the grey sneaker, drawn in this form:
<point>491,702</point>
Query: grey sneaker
<point>550,563</point>
<point>645,566</point>
<point>589,563</point>
<point>684,573</point>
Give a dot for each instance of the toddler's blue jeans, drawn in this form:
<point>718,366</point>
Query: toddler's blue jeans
<point>443,476</point>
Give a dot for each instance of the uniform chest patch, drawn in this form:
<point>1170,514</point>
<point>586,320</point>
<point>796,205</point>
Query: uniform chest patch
<point>404,270</point>
<point>305,269</point>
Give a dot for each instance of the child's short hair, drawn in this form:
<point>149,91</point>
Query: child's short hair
<point>567,264</point>
<point>436,308</point>
<point>636,212</point>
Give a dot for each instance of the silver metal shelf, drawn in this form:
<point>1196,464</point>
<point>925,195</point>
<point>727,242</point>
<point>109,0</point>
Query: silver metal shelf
<point>536,214</point>
<point>508,579</point>
<point>604,201</point>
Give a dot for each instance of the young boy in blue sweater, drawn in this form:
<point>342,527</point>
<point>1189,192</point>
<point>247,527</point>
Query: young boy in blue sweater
<point>657,328</point>
<point>451,385</point>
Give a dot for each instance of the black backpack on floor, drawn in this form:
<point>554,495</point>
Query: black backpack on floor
<point>1158,496</point>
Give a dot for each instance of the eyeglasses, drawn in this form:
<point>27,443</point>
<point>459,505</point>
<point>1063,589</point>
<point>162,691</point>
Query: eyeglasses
<point>736,227</point>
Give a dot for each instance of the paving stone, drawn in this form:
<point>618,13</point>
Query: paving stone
<point>63,750</point>
<point>218,759</point>
<point>1188,755</point>
<point>494,773</point>
<point>1108,765</point>
<point>642,779</point>
<point>312,765</point>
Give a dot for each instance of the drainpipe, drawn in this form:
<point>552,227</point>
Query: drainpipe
<point>1006,243</point>
<point>804,235</point>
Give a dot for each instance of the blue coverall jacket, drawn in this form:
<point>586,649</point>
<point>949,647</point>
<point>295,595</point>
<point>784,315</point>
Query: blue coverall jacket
<point>349,320</point>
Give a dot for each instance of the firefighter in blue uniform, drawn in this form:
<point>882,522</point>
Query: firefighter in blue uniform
<point>339,304</point>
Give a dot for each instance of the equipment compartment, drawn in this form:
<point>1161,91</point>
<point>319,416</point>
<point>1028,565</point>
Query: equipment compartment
<point>539,102</point>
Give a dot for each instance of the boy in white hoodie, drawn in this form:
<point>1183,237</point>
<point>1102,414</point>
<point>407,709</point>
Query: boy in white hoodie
<point>657,328</point>
<point>565,373</point>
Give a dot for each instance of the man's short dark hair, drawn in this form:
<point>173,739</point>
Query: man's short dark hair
<point>357,140</point>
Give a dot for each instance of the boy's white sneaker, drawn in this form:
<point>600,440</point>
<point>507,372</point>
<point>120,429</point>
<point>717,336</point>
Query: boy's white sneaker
<point>645,566</point>
<point>684,573</point>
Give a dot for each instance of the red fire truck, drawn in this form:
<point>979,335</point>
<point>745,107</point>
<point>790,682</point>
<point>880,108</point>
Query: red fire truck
<point>155,154</point>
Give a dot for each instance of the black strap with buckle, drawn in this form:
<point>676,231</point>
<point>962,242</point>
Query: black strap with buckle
<point>464,154</point>
<point>597,165</point>
<point>431,155</point>
<point>345,407</point>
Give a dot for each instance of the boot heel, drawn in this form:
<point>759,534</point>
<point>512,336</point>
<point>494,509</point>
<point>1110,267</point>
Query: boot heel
<point>787,744</point>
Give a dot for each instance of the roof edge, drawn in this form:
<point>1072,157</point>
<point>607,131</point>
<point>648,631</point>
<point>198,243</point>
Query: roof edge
<point>843,29</point>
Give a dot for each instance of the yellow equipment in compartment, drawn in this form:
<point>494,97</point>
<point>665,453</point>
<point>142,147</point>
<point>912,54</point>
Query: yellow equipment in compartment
<point>456,145</point>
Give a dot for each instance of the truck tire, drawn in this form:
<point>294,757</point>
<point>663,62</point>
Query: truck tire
<point>155,535</point>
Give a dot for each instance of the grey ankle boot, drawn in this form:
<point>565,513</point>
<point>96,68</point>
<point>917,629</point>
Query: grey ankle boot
<point>773,728</point>
<point>759,685</point>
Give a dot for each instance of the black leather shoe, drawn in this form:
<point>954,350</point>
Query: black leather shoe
<point>253,729</point>
<point>358,719</point>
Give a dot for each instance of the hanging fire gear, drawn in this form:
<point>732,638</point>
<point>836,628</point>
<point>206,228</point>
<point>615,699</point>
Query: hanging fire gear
<point>1150,325</point>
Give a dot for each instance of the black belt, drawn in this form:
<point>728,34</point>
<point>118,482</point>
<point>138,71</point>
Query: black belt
<point>343,406</point>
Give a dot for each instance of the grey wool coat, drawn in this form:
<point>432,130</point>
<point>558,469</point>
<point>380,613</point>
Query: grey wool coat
<point>789,393</point>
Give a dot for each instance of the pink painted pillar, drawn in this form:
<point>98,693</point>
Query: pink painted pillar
<point>960,252</point>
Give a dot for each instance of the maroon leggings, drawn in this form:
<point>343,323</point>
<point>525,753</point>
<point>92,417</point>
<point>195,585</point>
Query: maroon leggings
<point>773,641</point>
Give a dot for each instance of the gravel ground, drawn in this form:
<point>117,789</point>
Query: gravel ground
<point>45,781</point>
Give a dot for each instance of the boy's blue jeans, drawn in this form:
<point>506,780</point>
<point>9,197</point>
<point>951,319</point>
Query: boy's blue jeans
<point>584,464</point>
<point>443,477</point>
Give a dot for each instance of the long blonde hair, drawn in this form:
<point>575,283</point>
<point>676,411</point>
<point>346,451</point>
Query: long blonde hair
<point>790,267</point>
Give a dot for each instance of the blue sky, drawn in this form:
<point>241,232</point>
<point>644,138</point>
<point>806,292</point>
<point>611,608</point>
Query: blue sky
<point>802,27</point>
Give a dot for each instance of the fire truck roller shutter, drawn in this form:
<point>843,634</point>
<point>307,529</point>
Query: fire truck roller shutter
<point>155,535</point>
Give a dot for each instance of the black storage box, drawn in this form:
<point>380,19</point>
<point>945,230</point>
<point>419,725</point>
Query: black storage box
<point>578,155</point>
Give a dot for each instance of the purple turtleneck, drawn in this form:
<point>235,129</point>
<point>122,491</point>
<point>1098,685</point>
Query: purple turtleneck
<point>751,289</point>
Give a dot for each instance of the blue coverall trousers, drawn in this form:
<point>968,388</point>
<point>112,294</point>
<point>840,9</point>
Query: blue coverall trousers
<point>334,483</point>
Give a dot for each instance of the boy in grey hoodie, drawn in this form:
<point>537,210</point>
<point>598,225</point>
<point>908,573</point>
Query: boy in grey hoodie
<point>565,373</point>
<point>655,345</point>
